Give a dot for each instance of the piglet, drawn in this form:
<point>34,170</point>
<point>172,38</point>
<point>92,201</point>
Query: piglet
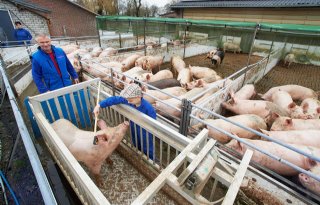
<point>80,143</point>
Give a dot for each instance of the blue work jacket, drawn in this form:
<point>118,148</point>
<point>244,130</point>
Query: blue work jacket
<point>22,34</point>
<point>44,73</point>
<point>146,108</point>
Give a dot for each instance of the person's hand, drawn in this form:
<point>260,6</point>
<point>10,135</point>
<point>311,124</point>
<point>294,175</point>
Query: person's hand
<point>96,110</point>
<point>76,81</point>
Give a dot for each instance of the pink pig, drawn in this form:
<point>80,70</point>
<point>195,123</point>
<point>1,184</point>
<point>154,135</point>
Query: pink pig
<point>280,151</point>
<point>80,143</point>
<point>297,92</point>
<point>286,123</point>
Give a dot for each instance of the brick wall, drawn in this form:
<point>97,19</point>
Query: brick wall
<point>31,21</point>
<point>75,20</point>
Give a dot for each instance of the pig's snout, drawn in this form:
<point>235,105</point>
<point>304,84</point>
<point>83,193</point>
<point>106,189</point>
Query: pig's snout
<point>303,177</point>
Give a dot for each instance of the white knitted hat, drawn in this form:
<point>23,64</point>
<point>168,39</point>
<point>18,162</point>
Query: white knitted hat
<point>130,91</point>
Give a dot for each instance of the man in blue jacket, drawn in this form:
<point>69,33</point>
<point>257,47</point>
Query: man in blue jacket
<point>21,34</point>
<point>132,95</point>
<point>51,69</point>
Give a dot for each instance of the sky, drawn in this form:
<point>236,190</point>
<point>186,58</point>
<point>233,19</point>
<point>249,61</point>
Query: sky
<point>159,3</point>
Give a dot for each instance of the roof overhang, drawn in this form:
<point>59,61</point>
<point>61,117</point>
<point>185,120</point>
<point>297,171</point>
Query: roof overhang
<point>246,4</point>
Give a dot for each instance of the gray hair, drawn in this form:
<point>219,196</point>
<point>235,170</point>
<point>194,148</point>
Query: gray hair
<point>42,35</point>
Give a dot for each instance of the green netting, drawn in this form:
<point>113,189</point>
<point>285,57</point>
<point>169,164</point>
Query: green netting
<point>284,27</point>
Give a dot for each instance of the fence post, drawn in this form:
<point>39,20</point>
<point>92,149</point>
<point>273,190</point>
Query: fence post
<point>185,116</point>
<point>112,83</point>
<point>144,36</point>
<point>98,33</point>
<point>184,40</point>
<point>270,50</point>
<point>120,40</point>
<point>250,52</point>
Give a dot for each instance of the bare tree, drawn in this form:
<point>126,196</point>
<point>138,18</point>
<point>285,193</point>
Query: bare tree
<point>167,6</point>
<point>137,6</point>
<point>154,10</point>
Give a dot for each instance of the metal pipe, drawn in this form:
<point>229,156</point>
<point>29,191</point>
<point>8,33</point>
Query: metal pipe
<point>257,133</point>
<point>261,150</point>
<point>270,50</point>
<point>9,187</point>
<point>39,173</point>
<point>13,152</point>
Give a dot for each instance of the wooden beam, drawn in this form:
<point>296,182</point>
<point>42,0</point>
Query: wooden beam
<point>237,180</point>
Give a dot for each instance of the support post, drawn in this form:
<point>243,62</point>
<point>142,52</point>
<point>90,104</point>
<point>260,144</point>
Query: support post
<point>184,40</point>
<point>99,39</point>
<point>112,83</point>
<point>120,45</point>
<point>250,52</point>
<point>270,50</point>
<point>144,36</point>
<point>185,116</point>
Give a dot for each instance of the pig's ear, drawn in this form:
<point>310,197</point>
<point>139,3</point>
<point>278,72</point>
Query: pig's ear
<point>264,132</point>
<point>311,162</point>
<point>289,121</point>
<point>144,88</point>
<point>148,77</point>
<point>305,107</point>
<point>318,110</point>
<point>200,83</point>
<point>123,78</point>
<point>189,66</point>
<point>292,105</point>
<point>274,115</point>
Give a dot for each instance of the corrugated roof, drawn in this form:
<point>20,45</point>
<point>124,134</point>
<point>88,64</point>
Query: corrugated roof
<point>30,5</point>
<point>246,3</point>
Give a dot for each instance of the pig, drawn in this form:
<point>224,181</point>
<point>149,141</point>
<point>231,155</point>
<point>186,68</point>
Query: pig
<point>289,59</point>
<point>311,106</point>
<point>134,73</point>
<point>252,121</point>
<point>96,51</point>
<point>152,62</point>
<point>201,72</point>
<point>228,46</point>
<point>139,61</point>
<point>286,123</point>
<point>169,111</point>
<point>301,137</point>
<point>267,110</point>
<point>153,95</point>
<point>97,70</point>
<point>211,53</point>
<point>246,92</point>
<point>184,77</point>
<point>205,82</point>
<point>69,48</point>
<point>297,92</point>
<point>77,53</point>
<point>164,83</point>
<point>280,151</point>
<point>108,52</point>
<point>284,100</point>
<point>217,59</point>
<point>177,63</point>
<point>80,143</point>
<point>129,62</point>
<point>309,182</point>
<point>163,74</point>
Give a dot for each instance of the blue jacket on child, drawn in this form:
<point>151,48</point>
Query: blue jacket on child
<point>22,34</point>
<point>146,108</point>
<point>44,73</point>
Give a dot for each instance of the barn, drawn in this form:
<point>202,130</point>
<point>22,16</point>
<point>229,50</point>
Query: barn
<point>57,18</point>
<point>267,11</point>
